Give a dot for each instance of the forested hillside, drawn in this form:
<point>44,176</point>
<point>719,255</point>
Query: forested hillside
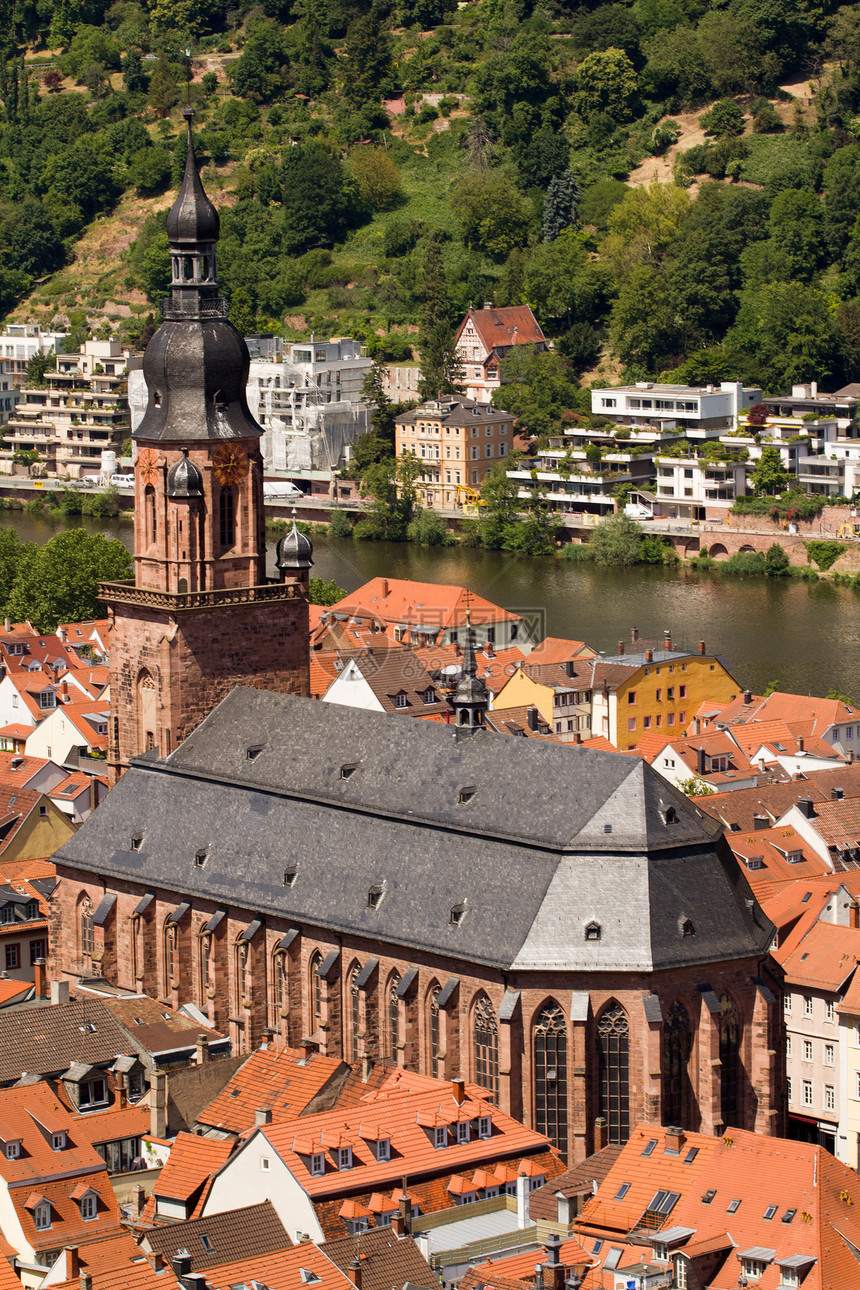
<point>384,165</point>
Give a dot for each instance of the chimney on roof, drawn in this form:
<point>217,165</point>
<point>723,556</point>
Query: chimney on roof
<point>601,1133</point>
<point>181,1262</point>
<point>701,762</point>
<point>384,588</point>
<point>553,1268</point>
<point>805,806</point>
<point>7,624</point>
<point>854,915</point>
<point>761,821</point>
<point>59,992</point>
<point>837,794</point>
<point>194,1281</point>
<point>73,1263</point>
<point>488,304</point>
<point>64,691</point>
<point>488,649</point>
<point>138,1201</point>
<point>577,738</point>
<point>458,1087</point>
<point>262,1115</point>
<point>40,983</point>
<point>398,1224</point>
<point>86,1280</point>
<point>634,634</point>
<point>667,640</point>
<point>698,725</point>
<point>800,744</point>
<point>701,647</point>
<point>649,656</point>
<point>202,1049</point>
<point>747,697</point>
<point>532,716</point>
<point>570,669</point>
<point>158,1104</point>
<point>354,1273</point>
<point>621,647</point>
<point>850,756</point>
<point>675,1139</point>
<point>404,1209</point>
<point>157,1261</point>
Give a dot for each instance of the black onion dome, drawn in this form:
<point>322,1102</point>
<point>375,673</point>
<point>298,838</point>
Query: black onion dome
<point>192,217</point>
<point>196,372</point>
<point>294,550</point>
<point>184,479</point>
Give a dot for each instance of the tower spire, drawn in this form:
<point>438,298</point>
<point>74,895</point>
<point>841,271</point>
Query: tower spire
<point>193,227</point>
<point>471,697</point>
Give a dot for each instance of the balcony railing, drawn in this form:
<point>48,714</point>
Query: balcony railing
<point>180,309</point>
<point>128,593</point>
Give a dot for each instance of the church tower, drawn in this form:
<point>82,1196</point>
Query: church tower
<point>200,616</point>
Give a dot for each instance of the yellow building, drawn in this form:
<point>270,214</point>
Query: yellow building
<point>458,442</point>
<point>31,826</point>
<point>560,690</point>
<point>656,689</point>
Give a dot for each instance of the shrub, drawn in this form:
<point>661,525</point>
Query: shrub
<point>776,561</point>
<point>340,525</point>
<point>579,552</point>
<point>725,118</point>
<point>429,528</point>
<point>745,564</point>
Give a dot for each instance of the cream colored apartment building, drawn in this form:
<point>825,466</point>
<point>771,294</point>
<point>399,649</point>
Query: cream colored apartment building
<point>459,443</point>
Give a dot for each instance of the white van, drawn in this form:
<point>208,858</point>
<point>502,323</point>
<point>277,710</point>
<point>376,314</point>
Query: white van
<point>122,481</point>
<point>275,488</point>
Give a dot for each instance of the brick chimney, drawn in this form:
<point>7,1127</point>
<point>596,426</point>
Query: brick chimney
<point>570,669</point>
<point>86,1280</point>
<point>157,1261</point>
<point>621,647</point>
<point>73,1263</point>
<point>649,656</point>
<point>384,588</point>
<point>701,762</point>
<point>553,1268</point>
<point>40,981</point>
<point>701,647</point>
<point>458,1087</point>
<point>601,1133</point>
<point>138,1200</point>
<point>262,1115</point>
<point>667,640</point>
<point>634,634</point>
<point>354,1273</point>
<point>202,1049</point>
<point>806,807</point>
<point>533,717</point>
<point>675,1139</point>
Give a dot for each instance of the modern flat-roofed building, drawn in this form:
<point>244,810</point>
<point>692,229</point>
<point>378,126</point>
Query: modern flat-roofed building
<point>687,407</point>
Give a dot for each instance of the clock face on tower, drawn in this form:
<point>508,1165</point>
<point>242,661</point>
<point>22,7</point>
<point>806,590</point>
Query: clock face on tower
<point>148,462</point>
<point>230,464</point>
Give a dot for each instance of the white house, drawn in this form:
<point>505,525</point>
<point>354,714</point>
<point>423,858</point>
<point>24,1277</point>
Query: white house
<point>672,407</point>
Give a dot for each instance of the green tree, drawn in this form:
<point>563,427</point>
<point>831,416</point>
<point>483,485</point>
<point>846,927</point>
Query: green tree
<point>36,368</point>
<point>605,82</point>
<point>324,591</point>
<point>724,120</point>
<point>643,325</point>
<point>428,528</point>
<point>365,64</point>
<point>14,554</point>
<point>381,407</point>
<point>561,281</point>
<point>536,386</point>
<point>617,541</point>
<point>785,334</point>
<point>769,477</point>
<point>776,561</point>
<point>149,169</point>
<point>378,179</point>
<point>163,93</point>
<point>642,228</point>
<point>263,68</point>
<point>563,196</point>
<point>492,214</point>
<point>440,367</point>
<point>390,486</point>
<point>58,582</point>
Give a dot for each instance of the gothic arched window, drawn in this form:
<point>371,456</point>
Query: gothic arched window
<point>227,518</point>
<point>149,513</point>
<point>393,1017</point>
<point>315,992</point>
<point>677,1046</point>
<point>355,1010</point>
<point>486,1038</point>
<point>433,1027</point>
<point>730,1062</point>
<point>550,1067</point>
<point>613,1051</point>
<point>88,941</point>
<point>282,986</point>
<point>170,935</point>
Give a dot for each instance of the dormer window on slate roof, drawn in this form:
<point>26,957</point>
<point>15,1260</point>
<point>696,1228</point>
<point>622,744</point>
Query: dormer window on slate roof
<point>592,931</point>
<point>375,897</point>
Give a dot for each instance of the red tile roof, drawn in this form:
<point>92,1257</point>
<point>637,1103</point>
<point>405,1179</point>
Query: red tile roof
<point>426,604</point>
<point>281,1270</point>
<point>558,649</point>
<point>117,1263</point>
<point>191,1162</point>
<point>499,329</point>
<point>284,1080</point>
<point>67,1225</point>
<point>824,958</point>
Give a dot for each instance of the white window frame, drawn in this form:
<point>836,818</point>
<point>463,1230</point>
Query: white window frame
<point>344,1157</point>
<point>485,1126</point>
<point>383,1150</point>
<point>58,1141</point>
<point>317,1164</point>
<point>464,1131</point>
<point>807,1092</point>
<point>89,1208</point>
<point>440,1137</point>
<point>42,1216</point>
<point>13,1149</point>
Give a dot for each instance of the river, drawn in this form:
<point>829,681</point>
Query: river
<point>803,635</point>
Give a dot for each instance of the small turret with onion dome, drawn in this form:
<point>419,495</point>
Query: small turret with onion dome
<point>293,555</point>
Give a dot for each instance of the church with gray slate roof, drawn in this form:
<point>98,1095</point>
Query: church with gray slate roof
<point>557,924</point>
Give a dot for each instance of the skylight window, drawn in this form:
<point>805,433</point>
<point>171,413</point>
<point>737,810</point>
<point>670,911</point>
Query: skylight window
<point>708,1197</point>
<point>770,1212</point>
<point>622,1191</point>
<point>788,1215</point>
<point>664,1202</point>
<point>733,1206</point>
<point>691,1155</point>
<point>649,1147</point>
